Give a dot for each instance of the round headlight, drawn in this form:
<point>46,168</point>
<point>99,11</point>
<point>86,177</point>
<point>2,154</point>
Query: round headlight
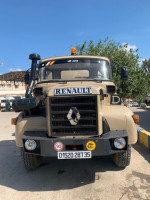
<point>30,145</point>
<point>119,143</point>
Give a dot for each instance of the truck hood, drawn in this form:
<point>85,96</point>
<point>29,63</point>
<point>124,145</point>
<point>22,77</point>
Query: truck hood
<point>95,86</point>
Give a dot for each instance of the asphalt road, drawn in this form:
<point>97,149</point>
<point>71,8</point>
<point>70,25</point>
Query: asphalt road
<point>144,117</point>
<point>94,179</point>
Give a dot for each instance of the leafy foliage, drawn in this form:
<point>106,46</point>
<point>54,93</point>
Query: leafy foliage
<point>137,84</point>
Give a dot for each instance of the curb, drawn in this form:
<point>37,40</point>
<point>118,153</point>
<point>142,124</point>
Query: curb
<point>143,137</point>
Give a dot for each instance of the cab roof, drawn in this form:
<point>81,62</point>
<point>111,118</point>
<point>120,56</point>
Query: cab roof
<point>73,57</point>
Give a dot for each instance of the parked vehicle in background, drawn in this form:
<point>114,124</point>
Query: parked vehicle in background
<point>135,104</point>
<point>10,99</point>
<point>3,102</point>
<point>147,99</point>
<point>143,105</point>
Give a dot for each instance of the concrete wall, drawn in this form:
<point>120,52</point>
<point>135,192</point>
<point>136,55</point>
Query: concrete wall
<point>9,88</point>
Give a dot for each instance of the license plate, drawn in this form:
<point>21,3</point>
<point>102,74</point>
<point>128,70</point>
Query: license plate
<point>74,154</point>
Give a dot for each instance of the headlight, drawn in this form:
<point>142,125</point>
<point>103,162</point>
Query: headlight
<point>30,145</point>
<point>119,143</point>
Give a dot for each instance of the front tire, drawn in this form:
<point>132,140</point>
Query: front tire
<point>30,161</point>
<point>122,159</point>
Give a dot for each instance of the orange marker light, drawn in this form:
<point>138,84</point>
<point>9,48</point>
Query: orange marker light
<point>73,51</point>
<point>14,121</point>
<point>136,118</point>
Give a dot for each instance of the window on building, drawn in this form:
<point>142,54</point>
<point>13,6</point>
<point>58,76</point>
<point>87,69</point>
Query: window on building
<point>2,85</point>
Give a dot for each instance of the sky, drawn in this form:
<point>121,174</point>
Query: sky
<point>51,28</point>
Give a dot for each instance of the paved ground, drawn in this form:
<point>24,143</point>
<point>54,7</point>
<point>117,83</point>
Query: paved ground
<point>95,179</point>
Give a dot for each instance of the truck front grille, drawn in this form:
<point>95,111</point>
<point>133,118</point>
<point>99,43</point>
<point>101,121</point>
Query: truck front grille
<point>59,109</point>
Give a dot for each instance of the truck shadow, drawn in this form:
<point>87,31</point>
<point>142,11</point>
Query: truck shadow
<point>52,175</point>
<point>145,152</point>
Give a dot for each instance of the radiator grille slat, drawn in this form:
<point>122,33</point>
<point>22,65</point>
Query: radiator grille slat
<point>59,109</point>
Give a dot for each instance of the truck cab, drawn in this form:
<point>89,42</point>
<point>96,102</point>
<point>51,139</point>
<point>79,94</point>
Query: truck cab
<point>72,111</point>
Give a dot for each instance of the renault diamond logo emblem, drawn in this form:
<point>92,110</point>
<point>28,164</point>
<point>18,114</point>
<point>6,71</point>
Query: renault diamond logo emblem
<point>73,116</point>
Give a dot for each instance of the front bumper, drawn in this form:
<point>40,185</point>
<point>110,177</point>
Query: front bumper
<point>103,145</point>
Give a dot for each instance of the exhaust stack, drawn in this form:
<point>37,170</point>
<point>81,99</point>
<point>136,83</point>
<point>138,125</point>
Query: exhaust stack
<point>34,58</point>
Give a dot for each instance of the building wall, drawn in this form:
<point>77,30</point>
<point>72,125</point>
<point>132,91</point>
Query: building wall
<point>9,88</point>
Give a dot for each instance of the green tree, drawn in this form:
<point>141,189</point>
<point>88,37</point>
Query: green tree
<point>136,86</point>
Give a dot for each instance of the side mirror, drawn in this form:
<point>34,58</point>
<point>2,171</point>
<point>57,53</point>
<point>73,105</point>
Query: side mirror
<point>27,77</point>
<point>124,73</point>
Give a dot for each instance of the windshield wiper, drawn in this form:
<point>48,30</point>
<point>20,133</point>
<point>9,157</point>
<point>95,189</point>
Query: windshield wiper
<point>81,77</point>
<point>50,81</point>
<point>62,82</point>
<point>97,80</point>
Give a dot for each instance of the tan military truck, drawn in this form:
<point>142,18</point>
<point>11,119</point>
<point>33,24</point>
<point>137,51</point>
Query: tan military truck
<point>72,111</point>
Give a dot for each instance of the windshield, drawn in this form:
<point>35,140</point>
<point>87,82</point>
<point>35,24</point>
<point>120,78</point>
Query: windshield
<point>72,70</point>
